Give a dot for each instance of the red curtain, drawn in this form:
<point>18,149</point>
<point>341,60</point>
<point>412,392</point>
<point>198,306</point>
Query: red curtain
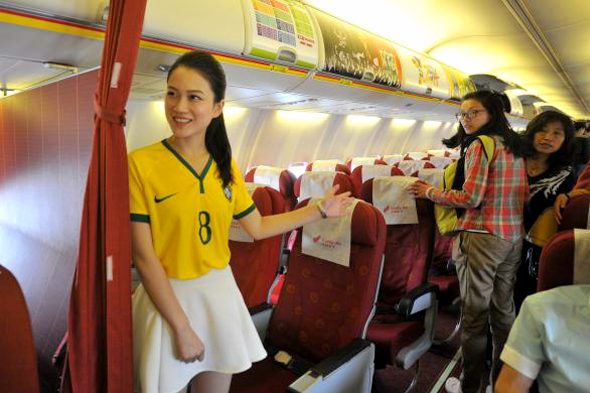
<point>100,356</point>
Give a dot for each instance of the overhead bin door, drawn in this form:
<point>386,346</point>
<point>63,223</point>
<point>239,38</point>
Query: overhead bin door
<point>516,107</point>
<point>207,24</point>
<point>422,74</point>
<point>88,10</point>
<point>280,30</point>
<point>355,53</point>
<point>459,83</point>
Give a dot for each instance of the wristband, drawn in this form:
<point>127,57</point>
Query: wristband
<point>320,206</point>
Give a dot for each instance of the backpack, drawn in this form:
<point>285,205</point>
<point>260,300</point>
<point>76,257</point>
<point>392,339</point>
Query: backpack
<point>446,217</point>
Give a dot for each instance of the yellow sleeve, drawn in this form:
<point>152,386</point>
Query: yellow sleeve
<point>137,203</point>
<point>244,204</point>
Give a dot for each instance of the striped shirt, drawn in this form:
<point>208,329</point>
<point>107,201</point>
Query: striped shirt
<point>493,196</point>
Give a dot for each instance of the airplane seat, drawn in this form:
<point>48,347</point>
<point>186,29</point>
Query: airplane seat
<point>411,167</point>
<point>278,178</point>
<point>362,173</point>
<point>564,260</point>
<point>576,213</point>
<point>315,334</point>
<point>256,264</point>
<point>415,155</point>
<point>18,372</point>
<point>403,334</point>
<point>355,162</point>
<point>327,165</point>
<point>320,182</point>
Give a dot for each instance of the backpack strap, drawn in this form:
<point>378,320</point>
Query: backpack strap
<point>489,144</point>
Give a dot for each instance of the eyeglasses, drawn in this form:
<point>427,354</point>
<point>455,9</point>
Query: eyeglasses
<point>469,114</point>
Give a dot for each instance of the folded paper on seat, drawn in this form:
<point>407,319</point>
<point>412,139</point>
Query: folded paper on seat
<point>329,238</point>
<point>410,166</point>
<point>391,159</point>
<point>324,165</point>
<point>433,176</point>
<point>268,175</point>
<point>392,198</point>
<point>358,161</point>
<point>315,184</point>
<point>368,172</point>
<point>440,162</point>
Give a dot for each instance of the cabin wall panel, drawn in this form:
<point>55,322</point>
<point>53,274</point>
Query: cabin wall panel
<point>45,144</point>
<point>278,138</point>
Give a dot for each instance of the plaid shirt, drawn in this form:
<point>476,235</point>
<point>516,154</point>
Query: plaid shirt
<point>493,195</point>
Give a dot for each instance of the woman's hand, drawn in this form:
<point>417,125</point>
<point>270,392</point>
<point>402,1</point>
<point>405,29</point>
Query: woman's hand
<point>559,205</point>
<point>189,346</point>
<point>419,188</point>
<point>335,205</point>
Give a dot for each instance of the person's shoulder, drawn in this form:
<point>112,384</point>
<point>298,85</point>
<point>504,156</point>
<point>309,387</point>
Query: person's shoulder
<point>149,150</point>
<point>558,298</point>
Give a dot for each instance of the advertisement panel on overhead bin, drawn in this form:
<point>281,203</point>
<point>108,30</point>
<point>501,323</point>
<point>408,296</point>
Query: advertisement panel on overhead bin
<point>422,74</point>
<point>280,30</point>
<point>459,83</point>
<point>355,53</point>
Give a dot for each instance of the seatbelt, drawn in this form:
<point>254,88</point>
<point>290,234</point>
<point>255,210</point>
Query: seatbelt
<point>295,364</point>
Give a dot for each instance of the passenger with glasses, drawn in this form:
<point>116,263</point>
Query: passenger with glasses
<point>549,142</point>
<point>489,195</point>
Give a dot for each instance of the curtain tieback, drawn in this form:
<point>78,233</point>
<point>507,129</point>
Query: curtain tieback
<point>108,115</point>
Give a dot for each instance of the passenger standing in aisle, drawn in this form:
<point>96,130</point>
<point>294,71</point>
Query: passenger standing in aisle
<point>487,247</point>
<point>190,322</point>
<point>549,140</point>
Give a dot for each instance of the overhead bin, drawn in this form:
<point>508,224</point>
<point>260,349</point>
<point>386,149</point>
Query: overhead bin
<point>516,108</point>
<point>422,74</point>
<point>212,24</point>
<point>352,52</point>
<point>282,31</point>
<point>87,10</point>
<point>459,83</point>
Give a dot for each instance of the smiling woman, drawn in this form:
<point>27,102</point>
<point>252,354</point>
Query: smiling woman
<point>184,193</point>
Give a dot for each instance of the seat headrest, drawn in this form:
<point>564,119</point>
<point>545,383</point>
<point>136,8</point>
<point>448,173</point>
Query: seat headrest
<point>577,213</point>
<point>367,222</point>
<point>268,201</point>
<point>341,179</point>
<point>283,180</point>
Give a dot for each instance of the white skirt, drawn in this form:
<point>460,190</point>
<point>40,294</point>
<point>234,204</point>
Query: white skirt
<point>217,313</point>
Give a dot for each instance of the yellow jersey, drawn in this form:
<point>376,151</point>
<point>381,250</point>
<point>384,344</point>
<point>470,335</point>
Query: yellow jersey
<point>189,213</point>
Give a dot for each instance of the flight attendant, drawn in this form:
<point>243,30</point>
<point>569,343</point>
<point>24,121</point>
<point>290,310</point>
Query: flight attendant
<point>190,322</point>
<point>487,248</point>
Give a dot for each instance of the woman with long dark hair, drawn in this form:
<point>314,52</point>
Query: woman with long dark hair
<point>190,322</point>
<point>549,143</point>
<point>490,193</point>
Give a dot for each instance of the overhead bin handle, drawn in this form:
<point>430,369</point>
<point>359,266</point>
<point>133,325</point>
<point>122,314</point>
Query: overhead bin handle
<point>368,76</point>
<point>287,55</point>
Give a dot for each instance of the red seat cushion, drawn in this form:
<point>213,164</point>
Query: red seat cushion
<point>264,376</point>
<point>390,333</point>
<point>556,267</point>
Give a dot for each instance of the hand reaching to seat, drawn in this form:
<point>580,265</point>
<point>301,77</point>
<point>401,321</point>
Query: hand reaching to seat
<point>559,205</point>
<point>335,205</point>
<point>420,189</point>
